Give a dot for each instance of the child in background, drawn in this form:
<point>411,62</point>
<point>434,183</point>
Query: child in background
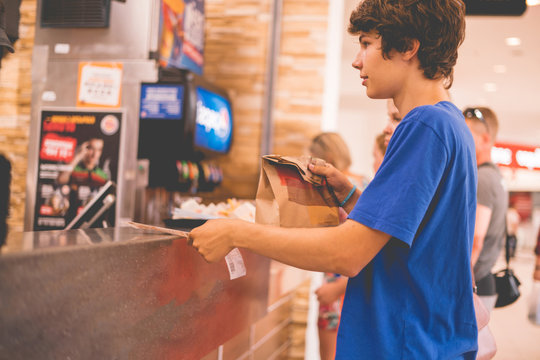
<point>332,148</point>
<point>536,274</point>
<point>379,148</point>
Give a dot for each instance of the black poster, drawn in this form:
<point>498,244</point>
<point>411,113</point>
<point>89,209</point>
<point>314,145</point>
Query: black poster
<point>78,154</point>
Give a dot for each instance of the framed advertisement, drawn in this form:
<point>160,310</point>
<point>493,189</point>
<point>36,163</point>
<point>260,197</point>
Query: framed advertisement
<point>79,152</point>
<point>181,34</point>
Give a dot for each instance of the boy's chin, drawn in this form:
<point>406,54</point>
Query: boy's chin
<point>373,94</point>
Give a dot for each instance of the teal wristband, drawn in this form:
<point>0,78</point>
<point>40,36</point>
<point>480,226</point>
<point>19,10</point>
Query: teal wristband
<point>348,196</point>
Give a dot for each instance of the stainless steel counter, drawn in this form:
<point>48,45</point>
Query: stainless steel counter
<point>121,293</point>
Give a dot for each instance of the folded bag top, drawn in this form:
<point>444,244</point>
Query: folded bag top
<point>301,163</point>
<point>289,195</point>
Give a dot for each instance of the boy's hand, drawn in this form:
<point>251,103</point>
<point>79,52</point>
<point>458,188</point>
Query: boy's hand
<point>214,239</point>
<point>337,181</point>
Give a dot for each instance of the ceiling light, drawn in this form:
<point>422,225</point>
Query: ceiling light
<point>490,87</point>
<point>481,101</point>
<point>513,41</point>
<point>500,69</point>
<point>533,2</point>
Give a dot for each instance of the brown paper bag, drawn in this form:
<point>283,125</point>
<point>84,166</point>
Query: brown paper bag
<point>289,195</point>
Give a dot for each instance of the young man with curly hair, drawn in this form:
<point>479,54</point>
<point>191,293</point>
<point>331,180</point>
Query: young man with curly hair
<point>407,242</point>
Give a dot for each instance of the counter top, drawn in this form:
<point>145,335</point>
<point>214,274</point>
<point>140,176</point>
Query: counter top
<point>121,293</point>
<point>58,240</point>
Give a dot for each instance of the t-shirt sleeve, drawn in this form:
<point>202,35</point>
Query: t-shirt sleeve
<point>398,198</point>
<point>484,192</point>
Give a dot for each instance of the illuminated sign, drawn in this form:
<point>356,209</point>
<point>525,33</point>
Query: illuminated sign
<point>516,156</point>
<point>213,128</point>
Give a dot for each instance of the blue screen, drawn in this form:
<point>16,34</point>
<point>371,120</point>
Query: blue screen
<point>160,101</point>
<point>213,125</point>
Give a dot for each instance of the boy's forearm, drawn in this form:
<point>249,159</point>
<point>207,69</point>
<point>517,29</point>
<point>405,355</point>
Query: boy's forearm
<point>301,248</point>
<point>345,249</point>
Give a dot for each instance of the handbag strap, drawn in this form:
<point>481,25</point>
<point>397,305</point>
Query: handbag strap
<point>506,245</point>
<point>474,287</point>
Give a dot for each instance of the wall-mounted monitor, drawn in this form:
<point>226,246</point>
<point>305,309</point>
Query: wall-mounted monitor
<point>213,121</point>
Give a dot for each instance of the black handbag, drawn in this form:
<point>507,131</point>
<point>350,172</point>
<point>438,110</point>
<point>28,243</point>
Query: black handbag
<point>506,283</point>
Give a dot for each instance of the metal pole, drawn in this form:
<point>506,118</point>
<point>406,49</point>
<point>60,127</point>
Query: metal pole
<point>267,131</point>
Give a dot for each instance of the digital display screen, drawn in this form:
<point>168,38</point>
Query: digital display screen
<point>161,101</point>
<point>213,124</point>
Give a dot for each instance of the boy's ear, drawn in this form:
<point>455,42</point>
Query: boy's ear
<point>412,49</point>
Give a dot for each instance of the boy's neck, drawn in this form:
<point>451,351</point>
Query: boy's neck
<point>420,91</point>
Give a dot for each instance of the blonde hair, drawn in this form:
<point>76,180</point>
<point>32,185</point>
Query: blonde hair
<point>331,147</point>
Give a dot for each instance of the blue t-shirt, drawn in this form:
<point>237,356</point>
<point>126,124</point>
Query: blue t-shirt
<point>414,299</point>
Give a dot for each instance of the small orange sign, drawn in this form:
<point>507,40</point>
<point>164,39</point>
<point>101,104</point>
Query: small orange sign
<point>99,84</point>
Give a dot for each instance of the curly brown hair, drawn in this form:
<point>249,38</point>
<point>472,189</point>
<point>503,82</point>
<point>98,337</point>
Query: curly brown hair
<point>439,26</point>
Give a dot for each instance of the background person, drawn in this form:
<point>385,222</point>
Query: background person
<point>512,224</point>
<point>331,147</point>
<point>5,183</point>
<point>331,292</point>
<point>5,164</point>
<point>5,43</point>
<point>379,149</point>
<point>536,274</point>
<point>492,203</point>
<point>393,120</point>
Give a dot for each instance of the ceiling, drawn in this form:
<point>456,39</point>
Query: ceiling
<point>514,94</point>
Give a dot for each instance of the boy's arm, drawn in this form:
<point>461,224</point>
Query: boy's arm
<point>345,249</point>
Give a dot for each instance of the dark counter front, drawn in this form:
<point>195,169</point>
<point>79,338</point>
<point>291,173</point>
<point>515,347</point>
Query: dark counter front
<point>121,293</point>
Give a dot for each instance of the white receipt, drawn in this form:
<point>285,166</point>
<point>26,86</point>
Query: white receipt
<point>235,263</point>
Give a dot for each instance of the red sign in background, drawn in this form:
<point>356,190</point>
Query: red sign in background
<point>516,156</point>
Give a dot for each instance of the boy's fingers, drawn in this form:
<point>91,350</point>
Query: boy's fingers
<point>320,169</point>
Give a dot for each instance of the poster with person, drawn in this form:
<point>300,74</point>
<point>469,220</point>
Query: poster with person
<point>78,154</point>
